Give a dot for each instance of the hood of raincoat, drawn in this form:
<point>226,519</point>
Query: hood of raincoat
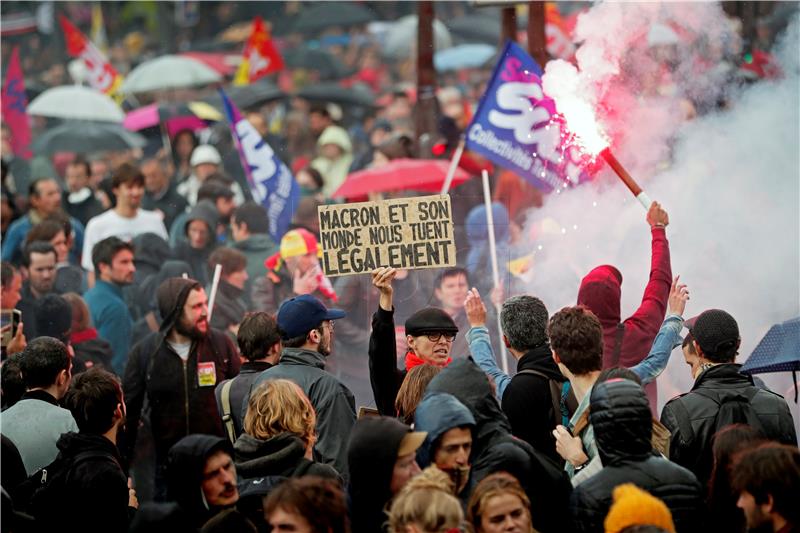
<point>470,386</point>
<point>601,292</point>
<point>185,466</point>
<point>171,296</point>
<point>620,414</point>
<point>371,456</point>
<point>437,414</point>
<point>336,135</point>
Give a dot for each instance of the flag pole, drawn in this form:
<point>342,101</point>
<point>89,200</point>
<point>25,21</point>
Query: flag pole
<point>214,287</point>
<point>454,161</point>
<point>487,200</point>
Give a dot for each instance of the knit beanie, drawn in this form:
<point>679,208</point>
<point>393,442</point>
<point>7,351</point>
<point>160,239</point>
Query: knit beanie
<point>635,507</point>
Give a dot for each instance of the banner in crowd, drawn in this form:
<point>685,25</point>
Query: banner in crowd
<point>411,233</point>
<point>516,126</point>
<point>260,57</point>
<point>101,74</point>
<point>271,182</point>
<point>14,105</point>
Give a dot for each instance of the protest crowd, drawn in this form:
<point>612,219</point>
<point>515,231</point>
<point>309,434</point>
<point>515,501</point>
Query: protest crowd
<point>203,332</point>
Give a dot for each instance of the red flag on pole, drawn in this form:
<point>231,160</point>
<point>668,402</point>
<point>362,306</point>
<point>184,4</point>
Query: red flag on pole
<point>102,75</point>
<point>260,57</point>
<point>14,105</point>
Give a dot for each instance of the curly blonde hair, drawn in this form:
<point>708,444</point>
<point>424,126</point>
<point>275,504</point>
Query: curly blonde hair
<point>426,501</point>
<point>280,406</point>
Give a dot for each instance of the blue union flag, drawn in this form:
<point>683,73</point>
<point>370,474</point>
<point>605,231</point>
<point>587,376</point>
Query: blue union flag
<point>516,126</point>
<point>271,182</point>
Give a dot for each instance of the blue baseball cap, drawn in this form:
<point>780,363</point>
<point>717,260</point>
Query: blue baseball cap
<point>299,315</point>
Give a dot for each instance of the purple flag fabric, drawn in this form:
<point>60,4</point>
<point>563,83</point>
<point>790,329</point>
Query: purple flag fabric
<point>516,126</point>
<point>15,103</point>
<point>271,182</point>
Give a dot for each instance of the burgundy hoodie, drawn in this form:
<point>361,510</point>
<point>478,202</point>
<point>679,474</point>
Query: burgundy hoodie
<point>601,291</point>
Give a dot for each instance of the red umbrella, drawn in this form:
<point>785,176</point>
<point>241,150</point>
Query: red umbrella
<point>400,175</point>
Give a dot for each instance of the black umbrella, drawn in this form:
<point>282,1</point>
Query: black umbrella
<point>248,96</point>
<point>475,28</point>
<point>86,137</point>
<point>356,95</point>
<point>327,14</point>
<point>328,65</point>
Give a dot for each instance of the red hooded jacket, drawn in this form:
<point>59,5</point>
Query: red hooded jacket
<point>601,291</point>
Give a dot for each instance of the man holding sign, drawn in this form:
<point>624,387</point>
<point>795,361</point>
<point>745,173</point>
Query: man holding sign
<point>430,333</point>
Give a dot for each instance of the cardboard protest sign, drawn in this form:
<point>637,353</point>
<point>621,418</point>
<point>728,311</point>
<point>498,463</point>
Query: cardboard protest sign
<point>410,233</point>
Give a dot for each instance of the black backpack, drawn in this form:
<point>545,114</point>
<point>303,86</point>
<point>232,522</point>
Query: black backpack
<point>734,408</point>
<point>42,494</point>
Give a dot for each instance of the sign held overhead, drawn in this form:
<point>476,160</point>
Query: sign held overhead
<point>409,233</point>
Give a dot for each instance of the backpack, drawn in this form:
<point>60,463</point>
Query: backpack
<point>562,397</point>
<point>41,495</point>
<point>736,408</point>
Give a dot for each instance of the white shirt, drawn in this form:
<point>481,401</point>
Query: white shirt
<point>111,224</point>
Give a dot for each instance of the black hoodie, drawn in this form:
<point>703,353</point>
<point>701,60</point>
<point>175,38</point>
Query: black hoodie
<point>206,212</point>
<point>97,486</point>
<point>494,449</point>
<point>187,509</point>
<point>371,456</point>
<point>180,401</point>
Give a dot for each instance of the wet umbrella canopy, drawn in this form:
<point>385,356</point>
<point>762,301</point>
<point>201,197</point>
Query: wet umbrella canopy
<point>332,92</point>
<point>778,351</point>
<point>326,14</point>
<point>86,137</point>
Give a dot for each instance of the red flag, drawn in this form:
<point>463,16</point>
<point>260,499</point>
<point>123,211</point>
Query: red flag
<point>260,57</point>
<point>14,105</point>
<point>102,75</point>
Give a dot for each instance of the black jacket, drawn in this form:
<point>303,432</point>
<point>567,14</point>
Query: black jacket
<point>179,405</point>
<point>240,390</point>
<point>384,376</point>
<point>620,414</point>
<point>85,209</point>
<point>494,449</point>
<point>528,403</point>
<point>97,484</point>
<point>691,446</point>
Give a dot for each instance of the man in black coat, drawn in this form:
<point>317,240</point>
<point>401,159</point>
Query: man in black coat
<point>532,398</point>
<point>96,477</point>
<point>176,369</point>
<point>620,415</point>
<point>721,395</point>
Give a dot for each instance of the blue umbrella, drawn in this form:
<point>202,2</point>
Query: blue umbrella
<point>778,351</point>
<point>463,56</point>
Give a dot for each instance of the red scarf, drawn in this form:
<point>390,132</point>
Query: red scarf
<point>81,336</point>
<point>412,360</point>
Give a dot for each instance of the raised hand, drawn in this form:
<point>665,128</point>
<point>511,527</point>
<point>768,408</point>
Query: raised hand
<point>657,216</point>
<point>678,295</point>
<point>382,280</point>
<point>476,310</point>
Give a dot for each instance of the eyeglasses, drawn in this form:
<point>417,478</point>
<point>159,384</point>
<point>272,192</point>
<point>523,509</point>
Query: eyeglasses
<point>434,337</point>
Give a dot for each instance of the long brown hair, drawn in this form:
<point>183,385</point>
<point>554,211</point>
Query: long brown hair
<point>489,487</point>
<point>412,390</point>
